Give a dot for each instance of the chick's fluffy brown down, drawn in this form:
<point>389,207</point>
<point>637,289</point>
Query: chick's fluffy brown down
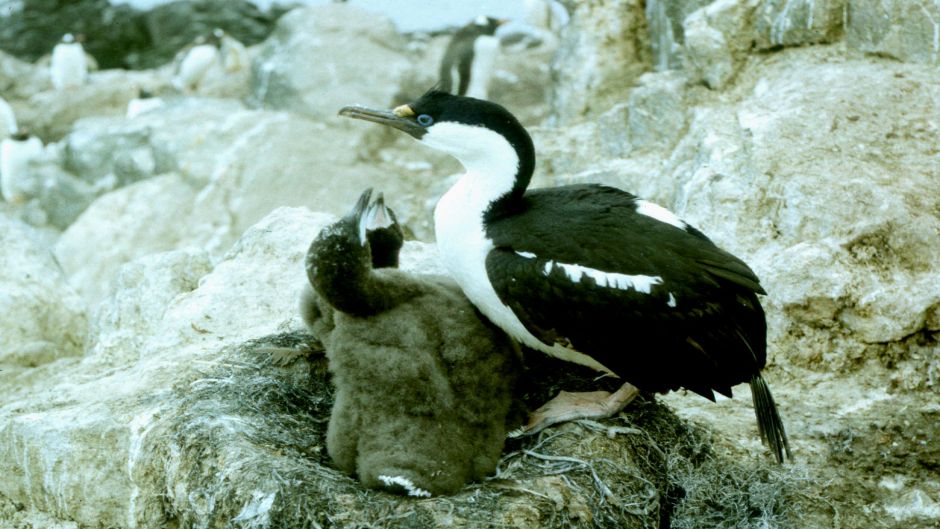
<point>423,390</point>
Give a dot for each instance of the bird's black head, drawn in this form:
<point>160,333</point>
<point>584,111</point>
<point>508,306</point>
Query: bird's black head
<point>383,233</point>
<point>485,137</point>
<point>481,25</point>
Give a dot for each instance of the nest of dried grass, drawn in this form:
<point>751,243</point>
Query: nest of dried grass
<point>247,449</point>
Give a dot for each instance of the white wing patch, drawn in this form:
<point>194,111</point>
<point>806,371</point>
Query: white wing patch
<point>672,300</point>
<point>640,283</point>
<point>527,255</point>
<point>644,207</point>
<point>406,484</point>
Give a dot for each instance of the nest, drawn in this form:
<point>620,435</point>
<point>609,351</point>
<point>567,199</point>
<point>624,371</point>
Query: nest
<point>247,448</point>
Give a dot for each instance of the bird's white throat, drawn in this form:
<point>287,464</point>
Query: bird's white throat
<point>491,163</point>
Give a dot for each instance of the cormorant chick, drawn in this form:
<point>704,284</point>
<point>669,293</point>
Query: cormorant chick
<point>423,384</point>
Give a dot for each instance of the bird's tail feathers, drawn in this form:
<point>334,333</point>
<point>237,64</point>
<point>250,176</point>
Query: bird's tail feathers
<point>769,424</point>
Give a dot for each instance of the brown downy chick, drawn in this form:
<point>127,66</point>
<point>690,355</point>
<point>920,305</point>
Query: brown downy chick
<point>423,385</point>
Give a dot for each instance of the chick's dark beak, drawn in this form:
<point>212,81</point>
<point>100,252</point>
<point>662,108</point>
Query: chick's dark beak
<point>401,118</point>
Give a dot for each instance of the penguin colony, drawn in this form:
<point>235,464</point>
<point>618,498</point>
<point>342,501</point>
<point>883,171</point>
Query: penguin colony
<point>588,273</point>
<point>423,385</point>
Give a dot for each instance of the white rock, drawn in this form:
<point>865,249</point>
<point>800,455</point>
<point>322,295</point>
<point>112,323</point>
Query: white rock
<point>348,57</point>
<point>41,316</point>
<point>905,29</point>
<point>140,219</point>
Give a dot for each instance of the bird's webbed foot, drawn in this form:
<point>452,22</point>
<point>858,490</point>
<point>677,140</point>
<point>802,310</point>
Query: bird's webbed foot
<point>568,406</point>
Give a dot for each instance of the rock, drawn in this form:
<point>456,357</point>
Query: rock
<point>802,177</point>
<point>141,291</point>
<point>119,36</point>
<point>707,55</point>
<point>115,155</point>
<point>42,317</point>
<point>50,114</point>
<point>61,195</point>
<point>88,406</point>
<point>666,32</point>
<point>352,50</point>
<point>657,112</point>
<point>718,38</point>
<point>799,22</point>
<point>603,50</point>
<point>137,435</point>
<point>18,79</point>
<point>174,25</point>
<point>904,29</point>
<point>140,219</point>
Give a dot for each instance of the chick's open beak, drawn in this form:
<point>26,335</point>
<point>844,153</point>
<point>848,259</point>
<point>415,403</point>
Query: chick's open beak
<point>401,118</point>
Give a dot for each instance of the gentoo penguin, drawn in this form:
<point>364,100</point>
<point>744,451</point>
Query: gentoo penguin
<point>588,273</point>
<point>195,61</point>
<point>68,68</point>
<point>233,54</point>
<point>423,384</point>
<point>8,124</point>
<point>16,154</point>
<point>468,60</point>
<point>144,102</point>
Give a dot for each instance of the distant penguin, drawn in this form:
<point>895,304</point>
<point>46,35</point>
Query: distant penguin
<point>468,61</point>
<point>232,53</point>
<point>8,125</point>
<point>195,61</point>
<point>68,68</point>
<point>16,153</point>
<point>144,102</point>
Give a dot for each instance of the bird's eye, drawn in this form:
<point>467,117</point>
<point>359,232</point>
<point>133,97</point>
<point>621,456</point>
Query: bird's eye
<point>425,120</point>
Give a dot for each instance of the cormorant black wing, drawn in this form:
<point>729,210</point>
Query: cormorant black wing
<point>659,304</point>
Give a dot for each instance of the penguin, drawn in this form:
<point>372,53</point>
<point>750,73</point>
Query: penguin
<point>467,64</point>
<point>232,53</point>
<point>69,68</point>
<point>144,102</point>
<point>8,124</point>
<point>194,61</point>
<point>423,384</point>
<point>16,154</point>
<point>588,273</point>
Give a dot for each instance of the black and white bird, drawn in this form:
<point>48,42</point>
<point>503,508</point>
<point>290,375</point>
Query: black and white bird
<point>68,67</point>
<point>8,126</point>
<point>588,273</point>
<point>17,153</point>
<point>468,61</point>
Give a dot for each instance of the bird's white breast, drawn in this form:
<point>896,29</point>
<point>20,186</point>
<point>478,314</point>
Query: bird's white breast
<point>463,248</point>
<point>195,65</point>
<point>15,157</point>
<point>8,124</point>
<point>485,49</point>
<point>68,67</point>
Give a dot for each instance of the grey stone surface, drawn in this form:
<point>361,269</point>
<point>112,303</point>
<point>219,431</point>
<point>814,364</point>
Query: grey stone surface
<point>43,318</point>
<point>667,33</point>
<point>321,58</point>
<point>799,22</point>
<point>131,222</point>
<point>603,50</point>
<point>904,29</point>
<point>76,448</point>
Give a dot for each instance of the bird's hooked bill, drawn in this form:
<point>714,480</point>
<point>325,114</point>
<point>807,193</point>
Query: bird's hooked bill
<point>401,118</point>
